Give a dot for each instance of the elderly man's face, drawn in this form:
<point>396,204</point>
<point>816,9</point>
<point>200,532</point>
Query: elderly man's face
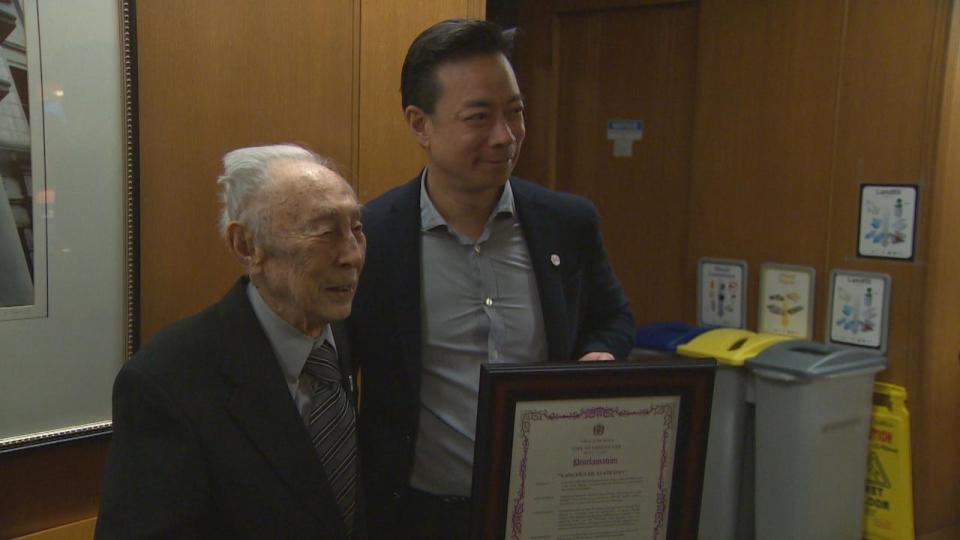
<point>314,246</point>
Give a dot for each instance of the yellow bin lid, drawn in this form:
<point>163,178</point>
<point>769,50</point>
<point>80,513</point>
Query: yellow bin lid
<point>731,346</point>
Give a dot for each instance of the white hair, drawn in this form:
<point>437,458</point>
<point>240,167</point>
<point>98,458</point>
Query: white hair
<point>245,172</point>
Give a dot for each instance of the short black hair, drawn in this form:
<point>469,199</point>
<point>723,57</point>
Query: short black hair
<point>453,39</point>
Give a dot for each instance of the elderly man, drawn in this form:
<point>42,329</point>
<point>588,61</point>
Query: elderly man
<point>467,266</point>
<point>239,422</point>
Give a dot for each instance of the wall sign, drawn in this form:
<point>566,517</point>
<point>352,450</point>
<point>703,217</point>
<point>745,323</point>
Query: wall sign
<point>888,216</point>
<point>859,309</point>
<point>721,292</point>
<point>623,133</point>
<point>786,300</point>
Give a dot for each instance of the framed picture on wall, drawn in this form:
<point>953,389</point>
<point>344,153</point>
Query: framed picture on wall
<point>23,192</point>
<point>576,450</point>
<point>68,216</point>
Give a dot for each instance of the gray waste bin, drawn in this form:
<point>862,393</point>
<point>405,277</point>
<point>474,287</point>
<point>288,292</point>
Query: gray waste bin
<point>726,509</point>
<point>813,406</point>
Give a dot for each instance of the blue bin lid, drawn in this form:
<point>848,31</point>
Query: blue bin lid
<point>666,336</point>
<point>810,359</point>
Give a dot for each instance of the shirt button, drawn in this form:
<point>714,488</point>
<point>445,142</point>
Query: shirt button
<point>488,301</point>
<point>476,248</point>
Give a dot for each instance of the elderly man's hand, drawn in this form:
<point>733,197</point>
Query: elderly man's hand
<point>596,357</point>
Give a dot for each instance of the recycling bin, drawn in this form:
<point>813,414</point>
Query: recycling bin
<point>666,336</point>
<point>726,509</point>
<point>813,409</point>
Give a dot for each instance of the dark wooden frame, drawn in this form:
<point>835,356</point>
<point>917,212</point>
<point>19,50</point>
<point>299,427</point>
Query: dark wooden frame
<point>503,386</point>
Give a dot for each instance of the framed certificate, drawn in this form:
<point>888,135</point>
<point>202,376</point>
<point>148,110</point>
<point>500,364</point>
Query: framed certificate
<point>591,450</point>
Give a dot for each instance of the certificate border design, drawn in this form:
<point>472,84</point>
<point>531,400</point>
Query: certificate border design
<point>503,386</point>
<point>594,412</point>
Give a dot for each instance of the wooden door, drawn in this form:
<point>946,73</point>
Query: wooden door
<point>583,64</point>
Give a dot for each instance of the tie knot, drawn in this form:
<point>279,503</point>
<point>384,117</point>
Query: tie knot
<point>322,364</point>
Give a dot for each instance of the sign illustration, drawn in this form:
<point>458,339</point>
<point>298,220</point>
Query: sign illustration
<point>722,293</point>
<point>887,219</point>
<point>859,306</point>
<point>786,300</point>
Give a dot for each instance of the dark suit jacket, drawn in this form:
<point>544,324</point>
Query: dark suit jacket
<point>208,443</point>
<point>584,309</point>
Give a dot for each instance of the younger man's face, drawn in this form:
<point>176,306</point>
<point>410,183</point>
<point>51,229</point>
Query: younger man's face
<point>474,135</point>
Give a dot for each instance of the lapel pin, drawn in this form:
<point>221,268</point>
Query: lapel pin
<point>555,259</point>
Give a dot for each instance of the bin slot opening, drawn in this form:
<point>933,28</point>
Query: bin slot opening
<point>807,350</point>
<point>737,344</point>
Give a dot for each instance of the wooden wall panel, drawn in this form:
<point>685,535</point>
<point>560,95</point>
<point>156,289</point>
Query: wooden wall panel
<point>533,59</point>
<point>50,486</point>
<point>883,135</point>
<point>934,398</point>
<point>387,154</point>
<point>215,76</point>
<point>763,136</point>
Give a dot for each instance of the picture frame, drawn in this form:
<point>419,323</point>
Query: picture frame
<point>60,361</point>
<point>603,410</point>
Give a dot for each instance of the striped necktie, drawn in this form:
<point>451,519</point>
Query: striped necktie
<point>332,426</point>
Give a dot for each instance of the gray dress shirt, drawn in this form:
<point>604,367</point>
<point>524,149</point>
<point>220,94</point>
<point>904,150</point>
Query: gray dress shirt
<point>291,346</point>
<point>479,304</point>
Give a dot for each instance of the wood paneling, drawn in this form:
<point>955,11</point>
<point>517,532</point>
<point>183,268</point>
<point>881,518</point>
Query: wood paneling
<point>50,486</point>
<point>883,133</point>
<point>763,136</point>
<point>215,76</point>
<point>534,63</point>
<point>934,398</point>
<point>387,154</point>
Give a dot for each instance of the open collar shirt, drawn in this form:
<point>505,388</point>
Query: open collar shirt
<point>480,304</point>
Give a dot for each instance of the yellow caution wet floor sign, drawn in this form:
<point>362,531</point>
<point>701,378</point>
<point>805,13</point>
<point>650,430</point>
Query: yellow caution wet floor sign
<point>888,514</point>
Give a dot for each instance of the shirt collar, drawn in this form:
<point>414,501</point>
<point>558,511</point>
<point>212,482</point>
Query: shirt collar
<point>291,346</point>
<point>430,218</point>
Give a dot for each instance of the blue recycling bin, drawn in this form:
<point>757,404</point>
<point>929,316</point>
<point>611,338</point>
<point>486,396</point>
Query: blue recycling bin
<point>666,336</point>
